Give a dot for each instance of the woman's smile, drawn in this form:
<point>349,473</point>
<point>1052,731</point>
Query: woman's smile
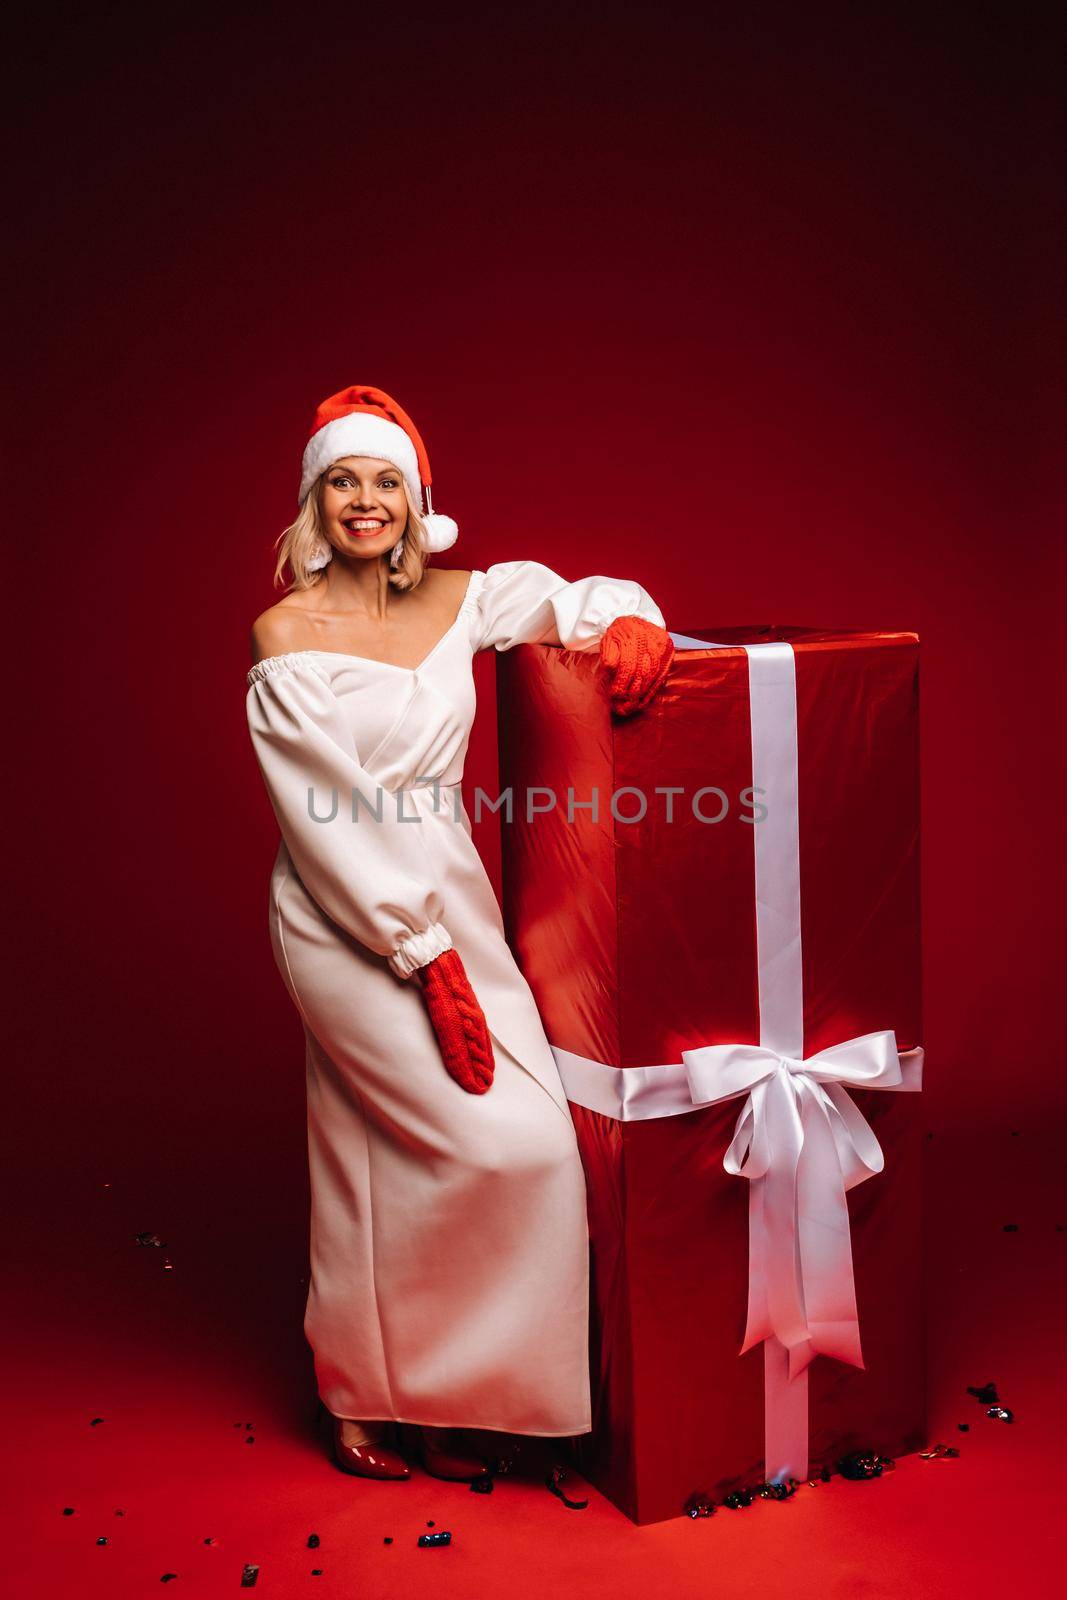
<point>363,525</point>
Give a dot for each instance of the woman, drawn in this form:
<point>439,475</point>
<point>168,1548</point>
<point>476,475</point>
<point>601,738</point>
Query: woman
<point>449,1265</point>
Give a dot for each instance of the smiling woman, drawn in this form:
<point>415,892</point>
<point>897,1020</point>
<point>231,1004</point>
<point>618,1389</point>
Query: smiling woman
<point>330,518</point>
<point>436,1116</point>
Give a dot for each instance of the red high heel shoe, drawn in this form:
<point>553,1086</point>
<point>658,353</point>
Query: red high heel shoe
<point>376,1460</point>
<point>441,1461</point>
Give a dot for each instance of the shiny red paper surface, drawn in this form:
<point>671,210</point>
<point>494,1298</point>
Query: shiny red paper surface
<point>638,940</point>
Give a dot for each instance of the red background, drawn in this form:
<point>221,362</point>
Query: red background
<point>755,308</point>
<point>758,311</point>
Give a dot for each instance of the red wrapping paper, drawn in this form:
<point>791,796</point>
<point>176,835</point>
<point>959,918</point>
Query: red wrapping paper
<point>638,941</point>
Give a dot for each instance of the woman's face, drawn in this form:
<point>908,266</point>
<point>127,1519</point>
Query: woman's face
<point>364,508</point>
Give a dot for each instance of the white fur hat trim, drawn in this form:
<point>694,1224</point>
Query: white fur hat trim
<point>361,434</point>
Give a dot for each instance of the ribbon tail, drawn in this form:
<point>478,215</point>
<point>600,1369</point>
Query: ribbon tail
<point>782,1264</point>
<point>824,1238</point>
<point>758,1325</point>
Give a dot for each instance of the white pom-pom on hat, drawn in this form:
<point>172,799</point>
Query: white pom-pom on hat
<point>362,421</point>
<point>441,532</point>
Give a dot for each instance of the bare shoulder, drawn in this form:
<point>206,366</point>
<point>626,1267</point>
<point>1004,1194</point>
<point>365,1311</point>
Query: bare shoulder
<point>448,583</point>
<point>275,631</point>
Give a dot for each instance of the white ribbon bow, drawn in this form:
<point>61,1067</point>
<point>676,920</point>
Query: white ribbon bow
<point>802,1143</point>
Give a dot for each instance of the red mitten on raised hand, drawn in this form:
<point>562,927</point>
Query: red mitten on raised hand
<point>638,656</point>
<point>458,1021</point>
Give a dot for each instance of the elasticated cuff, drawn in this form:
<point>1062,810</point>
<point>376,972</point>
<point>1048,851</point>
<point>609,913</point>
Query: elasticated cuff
<point>419,948</point>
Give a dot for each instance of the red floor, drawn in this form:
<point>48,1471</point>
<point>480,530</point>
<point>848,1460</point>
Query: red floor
<point>172,1360</point>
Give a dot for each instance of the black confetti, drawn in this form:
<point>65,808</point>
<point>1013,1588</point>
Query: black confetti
<point>482,1485</point>
<point>433,1541</point>
<point>738,1499</point>
<point>168,1577</point>
<point>103,1540</point>
<point>1001,1414</point>
<point>1011,1227</point>
<point>986,1393</point>
<point>778,1491</point>
<point>431,1523</point>
<point>211,1541</point>
<point>68,1511</point>
<point>860,1465</point>
<point>119,1513</point>
<point>698,1505</point>
<point>552,1483</point>
<point>964,1427</point>
<point>251,1439</point>
<point>387,1540</point>
<point>95,1421</point>
<point>313,1541</point>
<point>316,1572</point>
<point>249,1575</point>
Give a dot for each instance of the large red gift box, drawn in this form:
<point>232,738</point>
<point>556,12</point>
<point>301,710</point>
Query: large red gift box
<point>744,898</point>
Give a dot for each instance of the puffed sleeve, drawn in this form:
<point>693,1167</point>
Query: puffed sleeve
<point>523,602</point>
<point>373,878</point>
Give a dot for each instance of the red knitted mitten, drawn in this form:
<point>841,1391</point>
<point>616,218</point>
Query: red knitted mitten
<point>458,1021</point>
<point>638,656</point>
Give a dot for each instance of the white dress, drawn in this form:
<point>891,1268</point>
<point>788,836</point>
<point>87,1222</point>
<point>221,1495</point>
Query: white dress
<point>449,1264</point>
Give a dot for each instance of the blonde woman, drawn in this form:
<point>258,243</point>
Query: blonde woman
<point>449,1266</point>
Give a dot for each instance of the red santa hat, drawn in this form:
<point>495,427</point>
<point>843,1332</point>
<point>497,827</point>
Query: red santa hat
<point>361,421</point>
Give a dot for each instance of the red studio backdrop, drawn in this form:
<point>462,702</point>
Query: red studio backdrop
<point>756,311</point>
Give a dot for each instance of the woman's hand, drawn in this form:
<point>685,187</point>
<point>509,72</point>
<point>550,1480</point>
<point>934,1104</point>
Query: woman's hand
<point>458,1021</point>
<point>638,656</point>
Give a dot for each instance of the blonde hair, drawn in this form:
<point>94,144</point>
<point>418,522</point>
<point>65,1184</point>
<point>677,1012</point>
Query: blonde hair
<point>297,543</point>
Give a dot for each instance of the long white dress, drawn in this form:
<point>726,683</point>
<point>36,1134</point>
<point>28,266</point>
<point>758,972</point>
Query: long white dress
<point>449,1245</point>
